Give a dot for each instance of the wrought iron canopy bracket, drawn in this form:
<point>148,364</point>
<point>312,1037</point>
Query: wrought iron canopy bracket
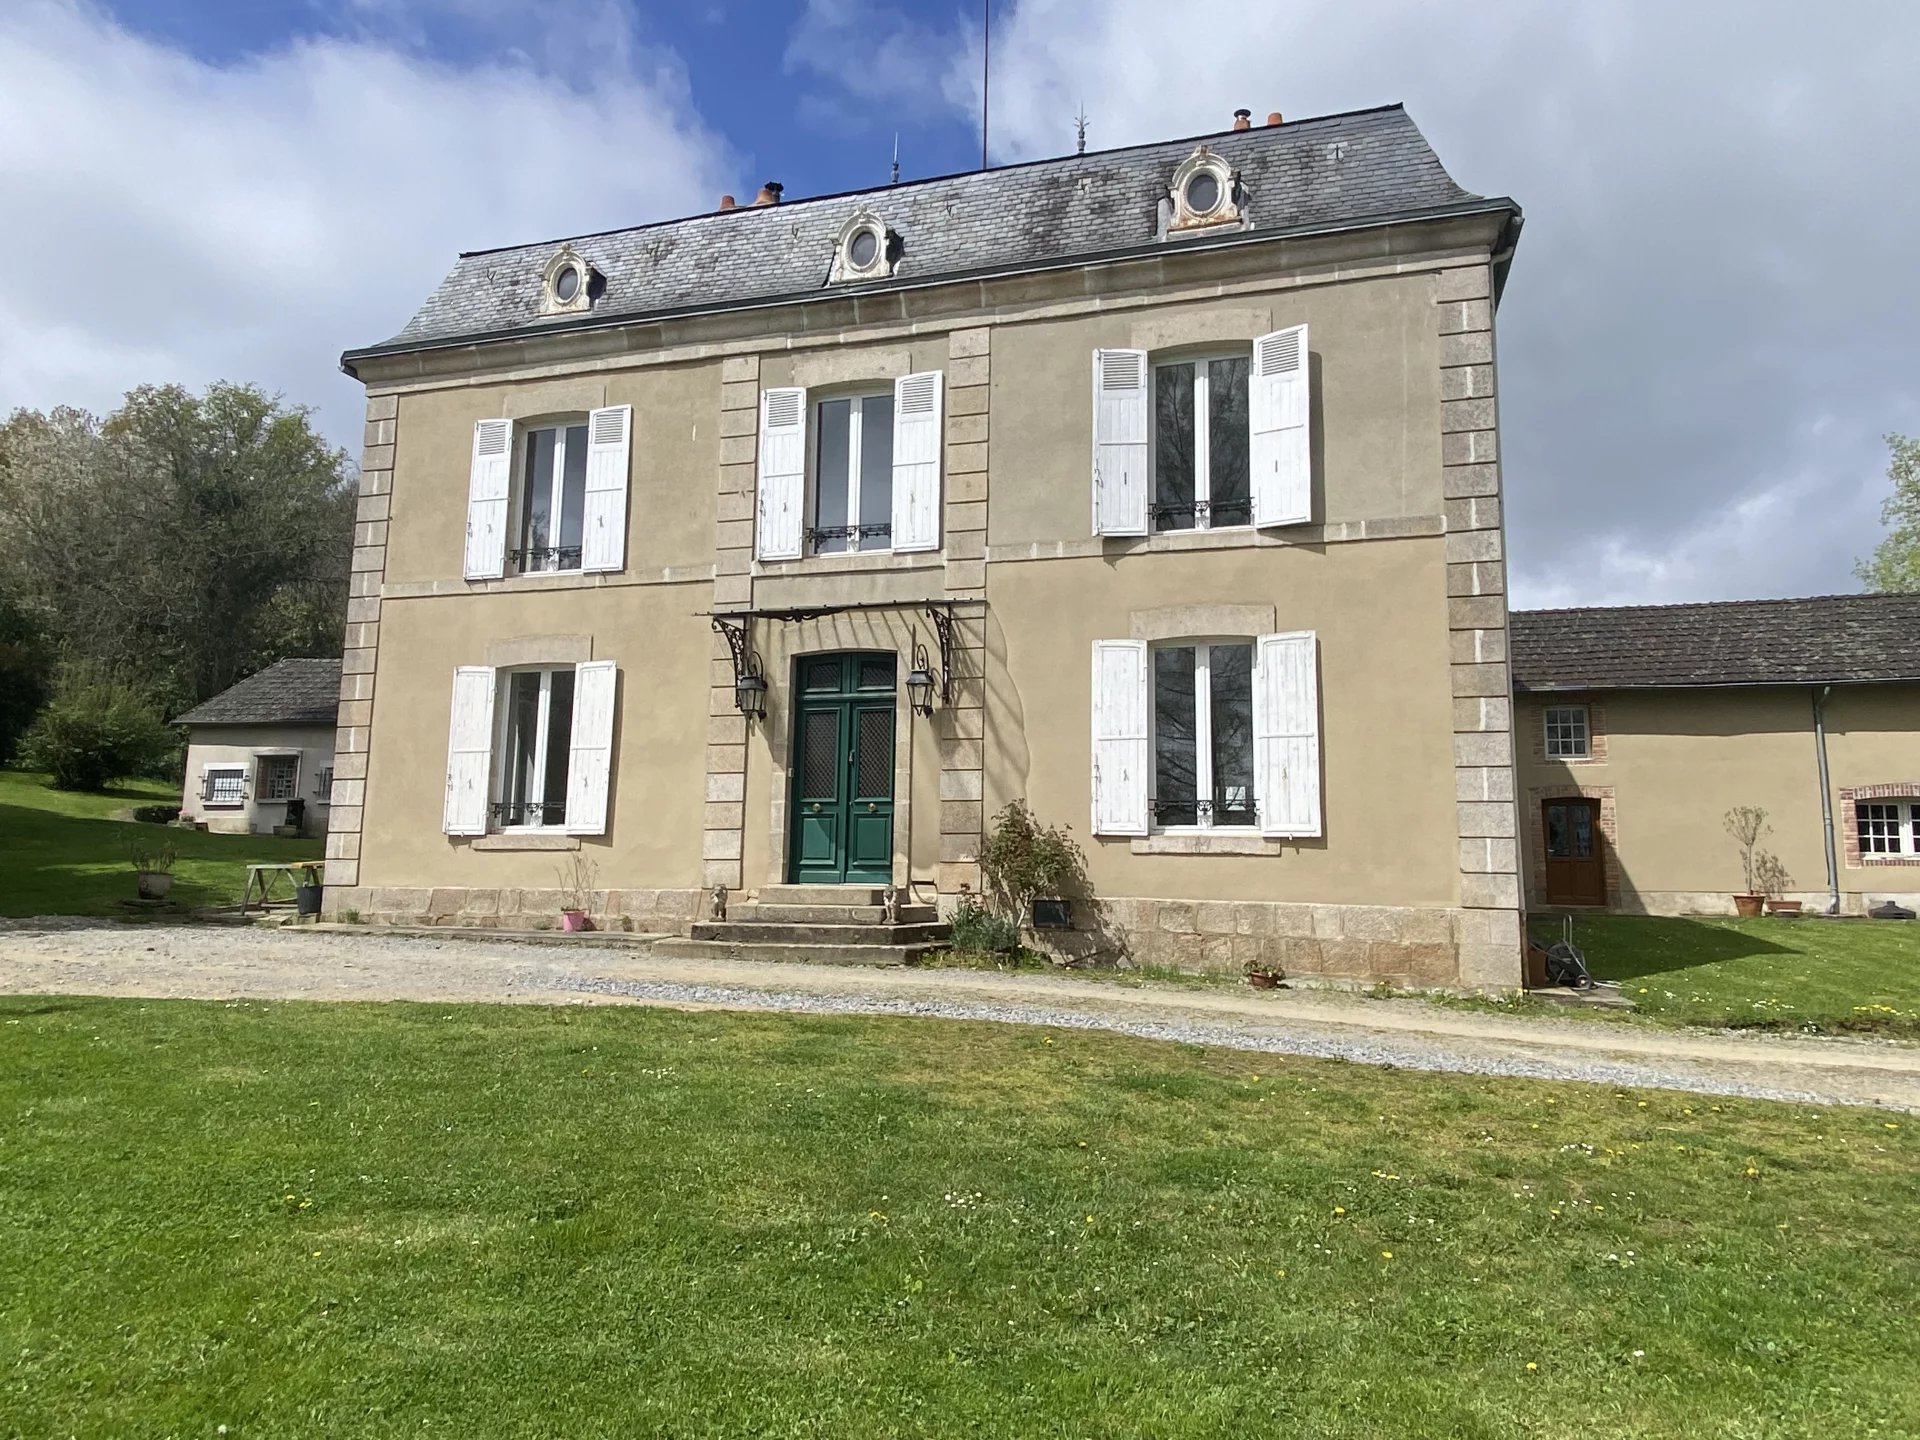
<point>745,661</point>
<point>942,617</point>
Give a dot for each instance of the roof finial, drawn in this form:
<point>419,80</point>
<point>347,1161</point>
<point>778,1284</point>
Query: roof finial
<point>1080,130</point>
<point>896,159</point>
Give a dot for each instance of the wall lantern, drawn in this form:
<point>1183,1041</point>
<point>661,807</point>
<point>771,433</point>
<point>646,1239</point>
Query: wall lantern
<point>920,683</point>
<point>749,685</point>
<point>750,696</point>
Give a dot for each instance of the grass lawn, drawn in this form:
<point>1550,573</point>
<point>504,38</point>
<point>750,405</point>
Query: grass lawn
<point>63,853</point>
<point>350,1220</point>
<point>1768,973</point>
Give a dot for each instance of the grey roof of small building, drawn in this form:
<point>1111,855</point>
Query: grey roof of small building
<point>1332,172</point>
<point>287,692</point>
<point>1822,639</point>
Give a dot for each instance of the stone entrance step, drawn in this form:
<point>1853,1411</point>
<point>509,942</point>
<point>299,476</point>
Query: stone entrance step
<point>753,933</point>
<point>762,912</point>
<point>678,949</point>
<point>821,894</point>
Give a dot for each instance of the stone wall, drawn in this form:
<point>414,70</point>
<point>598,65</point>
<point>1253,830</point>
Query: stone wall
<point>653,912</point>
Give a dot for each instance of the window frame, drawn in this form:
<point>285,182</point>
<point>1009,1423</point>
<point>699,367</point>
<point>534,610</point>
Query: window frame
<point>1905,831</point>
<point>543,740</point>
<point>523,433</point>
<point>1203,786</point>
<point>1201,361</point>
<point>208,770</point>
<point>1547,739</point>
<point>323,785</point>
<point>263,761</point>
<point>816,401</point>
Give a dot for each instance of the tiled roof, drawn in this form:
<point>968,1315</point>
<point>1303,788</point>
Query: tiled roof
<point>1825,638</point>
<point>1335,171</point>
<point>287,692</point>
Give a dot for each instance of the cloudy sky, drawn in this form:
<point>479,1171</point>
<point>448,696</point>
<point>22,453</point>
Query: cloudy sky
<point>1714,316</point>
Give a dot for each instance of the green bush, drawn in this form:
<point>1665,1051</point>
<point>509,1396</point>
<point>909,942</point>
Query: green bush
<point>94,732</point>
<point>1023,862</point>
<point>157,814</point>
<point>977,928</point>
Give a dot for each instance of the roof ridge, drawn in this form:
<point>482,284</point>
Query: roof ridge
<point>1723,604</point>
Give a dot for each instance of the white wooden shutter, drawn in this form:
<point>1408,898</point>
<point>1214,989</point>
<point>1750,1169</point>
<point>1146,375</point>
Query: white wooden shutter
<point>1286,734</point>
<point>603,532</point>
<point>470,751</point>
<point>1279,414</point>
<point>1120,737</point>
<point>916,461</point>
<point>783,473</point>
<point>487,485</point>
<point>1120,442</point>
<point>591,758</point>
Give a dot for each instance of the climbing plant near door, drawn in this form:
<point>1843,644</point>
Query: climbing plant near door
<point>1023,861</point>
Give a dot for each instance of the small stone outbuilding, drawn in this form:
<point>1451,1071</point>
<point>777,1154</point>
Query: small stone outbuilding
<point>260,754</point>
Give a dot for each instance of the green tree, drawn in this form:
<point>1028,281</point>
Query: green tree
<point>181,543</point>
<point>1895,563</point>
<point>25,674</point>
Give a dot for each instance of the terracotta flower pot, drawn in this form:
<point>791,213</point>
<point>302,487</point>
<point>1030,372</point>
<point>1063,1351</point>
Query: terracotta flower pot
<point>574,921</point>
<point>1748,905</point>
<point>1263,979</point>
<point>1783,907</point>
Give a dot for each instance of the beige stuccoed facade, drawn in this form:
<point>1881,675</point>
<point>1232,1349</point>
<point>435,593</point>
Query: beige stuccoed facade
<point>1411,870</point>
<point>1665,765</point>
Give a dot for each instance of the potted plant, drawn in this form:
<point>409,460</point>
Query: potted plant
<point>1263,976</point>
<point>1773,879</point>
<point>1032,871</point>
<point>576,893</point>
<point>152,867</point>
<point>1746,824</point>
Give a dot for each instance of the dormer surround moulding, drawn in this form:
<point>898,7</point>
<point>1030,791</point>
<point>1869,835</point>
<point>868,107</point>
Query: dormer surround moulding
<point>1206,193</point>
<point>865,249</point>
<point>568,284</point>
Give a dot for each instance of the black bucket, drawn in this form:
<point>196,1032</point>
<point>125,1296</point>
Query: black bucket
<point>307,898</point>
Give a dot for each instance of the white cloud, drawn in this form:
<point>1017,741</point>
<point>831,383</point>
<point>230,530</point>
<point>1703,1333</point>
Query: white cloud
<point>1714,302</point>
<point>173,220</point>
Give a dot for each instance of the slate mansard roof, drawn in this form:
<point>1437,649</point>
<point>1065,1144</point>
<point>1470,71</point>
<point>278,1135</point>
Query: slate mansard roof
<point>287,692</point>
<point>1825,639</point>
<point>1331,173</point>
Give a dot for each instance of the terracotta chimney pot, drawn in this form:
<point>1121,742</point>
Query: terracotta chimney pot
<point>727,202</point>
<point>1274,118</point>
<point>1242,119</point>
<point>769,193</point>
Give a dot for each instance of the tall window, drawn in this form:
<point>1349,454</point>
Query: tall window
<point>1203,735</point>
<point>553,498</point>
<point>1566,732</point>
<point>1200,444</point>
<point>537,739</point>
<point>853,475</point>
<point>1888,827</point>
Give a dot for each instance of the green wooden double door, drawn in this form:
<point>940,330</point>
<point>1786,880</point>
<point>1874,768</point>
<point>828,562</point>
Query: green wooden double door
<point>842,803</point>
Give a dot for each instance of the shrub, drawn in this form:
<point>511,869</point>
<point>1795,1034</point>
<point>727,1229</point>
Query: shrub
<point>977,928</point>
<point>156,814</point>
<point>94,732</point>
<point>1021,861</point>
<point>150,859</point>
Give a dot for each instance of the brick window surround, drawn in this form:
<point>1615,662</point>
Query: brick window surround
<point>1849,818</point>
<point>1596,729</point>
<point>1537,837</point>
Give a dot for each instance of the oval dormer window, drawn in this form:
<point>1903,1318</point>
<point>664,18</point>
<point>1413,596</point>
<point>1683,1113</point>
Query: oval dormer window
<point>863,249</point>
<point>566,284</point>
<point>1203,193</point>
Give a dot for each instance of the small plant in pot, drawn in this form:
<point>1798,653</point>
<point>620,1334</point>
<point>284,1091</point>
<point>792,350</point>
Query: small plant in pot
<point>576,893</point>
<point>1774,879</point>
<point>152,866</point>
<point>1263,976</point>
<point>1746,824</point>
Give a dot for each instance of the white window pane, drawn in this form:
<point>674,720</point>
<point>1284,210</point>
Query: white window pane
<point>1229,501</point>
<point>832,482</point>
<point>536,516</point>
<point>523,735</point>
<point>1173,447</point>
<point>1175,736</point>
<point>553,809</point>
<point>876,472</point>
<point>573,499</point>
<point>1230,706</point>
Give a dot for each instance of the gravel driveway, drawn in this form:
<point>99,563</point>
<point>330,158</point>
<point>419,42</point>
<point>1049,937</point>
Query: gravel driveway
<point>216,962</point>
